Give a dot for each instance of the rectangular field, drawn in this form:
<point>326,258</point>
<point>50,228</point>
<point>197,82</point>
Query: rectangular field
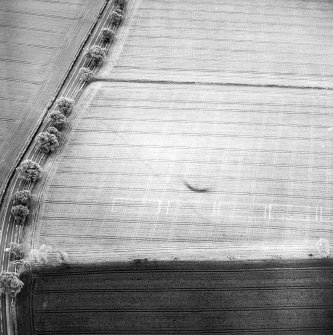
<point>238,41</point>
<point>38,42</point>
<point>179,298</point>
<point>192,171</point>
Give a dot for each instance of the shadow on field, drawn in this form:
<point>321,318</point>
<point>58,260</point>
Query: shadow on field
<point>144,297</point>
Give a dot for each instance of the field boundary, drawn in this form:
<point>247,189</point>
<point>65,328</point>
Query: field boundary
<point>203,83</point>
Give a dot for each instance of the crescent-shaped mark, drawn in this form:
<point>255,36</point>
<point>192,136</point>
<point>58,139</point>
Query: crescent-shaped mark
<point>195,189</point>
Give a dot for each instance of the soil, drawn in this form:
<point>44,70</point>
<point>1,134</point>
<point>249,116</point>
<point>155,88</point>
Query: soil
<point>146,297</point>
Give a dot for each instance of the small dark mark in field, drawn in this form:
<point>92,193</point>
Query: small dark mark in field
<point>196,189</point>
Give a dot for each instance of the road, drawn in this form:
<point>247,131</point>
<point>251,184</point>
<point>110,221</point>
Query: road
<point>72,88</point>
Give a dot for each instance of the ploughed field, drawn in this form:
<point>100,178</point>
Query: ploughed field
<point>239,41</point>
<point>190,171</point>
<point>179,298</point>
<point>38,42</point>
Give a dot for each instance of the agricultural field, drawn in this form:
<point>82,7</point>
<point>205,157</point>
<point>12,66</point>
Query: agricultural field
<point>190,171</point>
<point>205,140</point>
<point>179,298</point>
<point>38,42</point>
<point>234,41</point>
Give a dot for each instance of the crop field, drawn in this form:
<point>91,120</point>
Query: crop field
<point>254,42</point>
<point>38,42</point>
<point>191,171</point>
<point>191,176</point>
<point>179,298</point>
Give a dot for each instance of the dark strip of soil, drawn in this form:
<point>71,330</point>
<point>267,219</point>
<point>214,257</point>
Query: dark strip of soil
<point>144,297</point>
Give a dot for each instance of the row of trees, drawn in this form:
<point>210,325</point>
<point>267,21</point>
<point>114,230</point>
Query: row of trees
<point>47,142</point>
<point>44,256</point>
<point>9,281</point>
<point>31,171</point>
<point>96,54</point>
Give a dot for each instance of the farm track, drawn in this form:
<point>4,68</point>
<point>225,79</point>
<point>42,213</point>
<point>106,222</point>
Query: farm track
<point>164,297</point>
<point>72,88</point>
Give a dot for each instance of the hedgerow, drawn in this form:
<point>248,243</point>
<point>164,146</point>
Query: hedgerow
<point>45,256</point>
<point>58,120</point>
<point>29,170</point>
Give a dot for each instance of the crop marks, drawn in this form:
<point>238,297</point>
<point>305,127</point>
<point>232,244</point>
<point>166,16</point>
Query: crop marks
<point>123,174</point>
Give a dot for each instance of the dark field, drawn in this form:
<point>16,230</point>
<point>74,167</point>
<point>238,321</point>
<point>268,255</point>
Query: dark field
<point>180,298</point>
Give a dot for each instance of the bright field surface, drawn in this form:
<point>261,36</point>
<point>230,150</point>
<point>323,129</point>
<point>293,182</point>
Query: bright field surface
<point>244,41</point>
<point>121,186</point>
<point>38,42</point>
